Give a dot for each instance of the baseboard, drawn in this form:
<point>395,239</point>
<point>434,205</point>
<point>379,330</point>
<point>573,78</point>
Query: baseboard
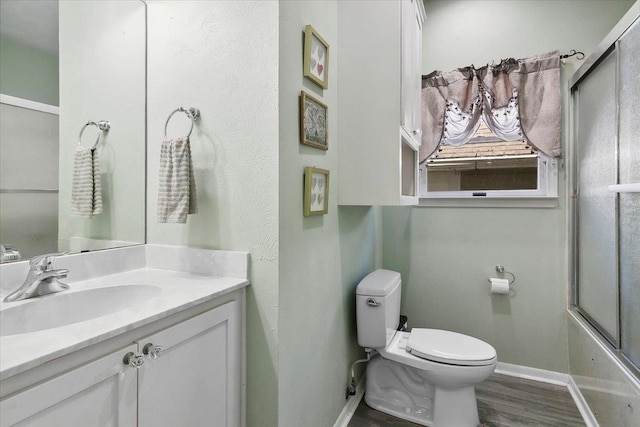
<point>581,403</point>
<point>351,406</point>
<point>542,375</point>
<point>551,377</point>
<point>519,371</point>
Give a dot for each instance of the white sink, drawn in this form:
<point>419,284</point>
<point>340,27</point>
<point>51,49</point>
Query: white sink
<point>66,308</point>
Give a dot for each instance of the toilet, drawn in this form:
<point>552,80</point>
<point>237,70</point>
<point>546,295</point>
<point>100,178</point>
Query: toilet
<point>425,376</point>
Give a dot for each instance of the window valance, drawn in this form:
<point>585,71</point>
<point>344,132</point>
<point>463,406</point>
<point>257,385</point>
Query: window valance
<point>518,99</point>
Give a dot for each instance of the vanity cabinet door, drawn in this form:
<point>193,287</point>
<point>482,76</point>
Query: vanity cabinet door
<point>101,393</point>
<point>191,376</point>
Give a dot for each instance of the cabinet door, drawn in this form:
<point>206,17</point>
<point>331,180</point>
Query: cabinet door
<point>195,380</point>
<point>101,393</point>
<point>411,68</point>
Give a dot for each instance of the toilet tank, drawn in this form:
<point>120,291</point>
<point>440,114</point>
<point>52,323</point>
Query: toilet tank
<point>378,308</point>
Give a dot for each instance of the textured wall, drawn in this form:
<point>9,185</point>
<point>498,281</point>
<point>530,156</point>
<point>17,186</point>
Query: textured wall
<point>322,258</point>
<point>28,73</point>
<point>222,58</point>
<point>446,254</point>
<point>102,77</point>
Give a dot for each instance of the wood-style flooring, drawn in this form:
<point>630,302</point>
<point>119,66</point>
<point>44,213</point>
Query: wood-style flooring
<point>503,401</point>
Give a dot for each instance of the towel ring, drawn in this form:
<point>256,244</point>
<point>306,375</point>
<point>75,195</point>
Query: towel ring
<point>192,112</point>
<point>103,127</point>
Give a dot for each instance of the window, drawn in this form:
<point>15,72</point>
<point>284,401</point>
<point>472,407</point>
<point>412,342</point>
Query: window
<point>488,167</point>
<point>492,132</point>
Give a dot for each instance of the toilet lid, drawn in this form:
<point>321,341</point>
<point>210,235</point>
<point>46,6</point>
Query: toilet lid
<point>449,347</point>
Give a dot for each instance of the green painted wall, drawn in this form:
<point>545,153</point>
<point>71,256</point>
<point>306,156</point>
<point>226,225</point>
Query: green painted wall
<point>28,73</point>
<point>322,258</point>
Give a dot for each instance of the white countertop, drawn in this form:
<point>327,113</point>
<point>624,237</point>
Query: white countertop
<point>179,291</point>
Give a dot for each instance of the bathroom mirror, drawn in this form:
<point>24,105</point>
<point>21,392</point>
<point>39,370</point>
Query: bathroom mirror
<point>93,68</point>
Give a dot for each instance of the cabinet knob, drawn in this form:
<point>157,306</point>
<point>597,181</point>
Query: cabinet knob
<point>417,132</point>
<point>135,360</point>
<point>153,351</point>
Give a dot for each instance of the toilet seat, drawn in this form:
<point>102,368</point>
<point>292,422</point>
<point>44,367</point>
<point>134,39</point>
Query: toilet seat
<point>449,347</point>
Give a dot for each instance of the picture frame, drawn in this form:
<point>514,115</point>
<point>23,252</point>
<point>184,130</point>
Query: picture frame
<point>314,129</point>
<point>316,57</point>
<point>316,191</point>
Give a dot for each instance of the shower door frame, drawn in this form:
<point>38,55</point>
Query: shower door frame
<point>609,46</point>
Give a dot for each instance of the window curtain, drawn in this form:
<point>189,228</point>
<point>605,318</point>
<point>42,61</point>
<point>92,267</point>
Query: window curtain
<point>518,99</point>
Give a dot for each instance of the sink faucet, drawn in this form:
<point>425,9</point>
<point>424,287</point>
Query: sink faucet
<point>41,280</point>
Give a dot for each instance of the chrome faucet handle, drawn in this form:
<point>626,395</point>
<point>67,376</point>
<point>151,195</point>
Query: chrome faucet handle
<point>43,262</point>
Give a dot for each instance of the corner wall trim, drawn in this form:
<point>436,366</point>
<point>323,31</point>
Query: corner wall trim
<point>581,403</point>
<point>552,377</point>
<point>351,406</point>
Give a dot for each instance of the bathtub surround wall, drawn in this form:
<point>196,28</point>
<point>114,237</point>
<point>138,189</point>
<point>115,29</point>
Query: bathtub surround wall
<point>446,254</point>
<point>612,395</point>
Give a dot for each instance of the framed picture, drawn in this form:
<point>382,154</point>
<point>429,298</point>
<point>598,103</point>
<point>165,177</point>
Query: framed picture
<point>316,57</point>
<point>316,191</point>
<point>313,122</point>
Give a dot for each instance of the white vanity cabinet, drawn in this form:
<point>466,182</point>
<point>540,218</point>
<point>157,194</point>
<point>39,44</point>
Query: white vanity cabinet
<point>191,375</point>
<point>195,379</point>
<point>379,72</point>
<point>99,393</point>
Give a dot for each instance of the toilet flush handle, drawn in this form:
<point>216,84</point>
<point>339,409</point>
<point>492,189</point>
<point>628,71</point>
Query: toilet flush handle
<point>372,303</point>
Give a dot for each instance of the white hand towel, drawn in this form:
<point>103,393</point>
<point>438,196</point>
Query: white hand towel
<point>177,187</point>
<point>86,189</point>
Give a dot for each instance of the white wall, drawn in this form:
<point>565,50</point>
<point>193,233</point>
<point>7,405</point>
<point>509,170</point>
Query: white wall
<point>322,258</point>
<point>222,57</point>
<point>446,254</point>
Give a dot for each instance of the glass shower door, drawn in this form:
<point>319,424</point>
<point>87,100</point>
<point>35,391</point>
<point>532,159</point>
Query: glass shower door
<point>629,221</point>
<point>597,269</point>
<point>606,207</point>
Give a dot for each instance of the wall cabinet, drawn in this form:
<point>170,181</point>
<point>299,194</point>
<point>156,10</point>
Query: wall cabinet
<point>187,374</point>
<point>411,27</point>
<point>379,100</point>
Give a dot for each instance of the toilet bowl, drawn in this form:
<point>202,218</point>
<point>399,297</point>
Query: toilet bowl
<point>426,376</point>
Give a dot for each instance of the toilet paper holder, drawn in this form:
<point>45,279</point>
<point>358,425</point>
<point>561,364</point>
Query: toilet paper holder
<point>501,290</point>
<point>500,269</point>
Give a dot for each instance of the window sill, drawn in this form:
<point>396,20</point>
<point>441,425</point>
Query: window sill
<point>489,202</point>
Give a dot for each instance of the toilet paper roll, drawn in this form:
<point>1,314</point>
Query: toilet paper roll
<point>499,286</point>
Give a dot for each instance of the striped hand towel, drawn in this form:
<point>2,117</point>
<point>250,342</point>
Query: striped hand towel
<point>86,190</point>
<point>177,187</point>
